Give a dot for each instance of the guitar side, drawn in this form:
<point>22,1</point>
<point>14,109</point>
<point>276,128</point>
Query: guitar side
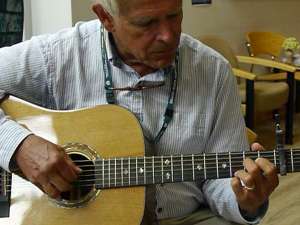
<point>112,132</point>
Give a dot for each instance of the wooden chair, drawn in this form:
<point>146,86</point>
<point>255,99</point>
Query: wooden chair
<point>251,135</point>
<point>260,96</point>
<point>269,45</point>
<point>266,45</point>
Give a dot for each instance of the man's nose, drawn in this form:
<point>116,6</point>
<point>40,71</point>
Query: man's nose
<point>165,32</point>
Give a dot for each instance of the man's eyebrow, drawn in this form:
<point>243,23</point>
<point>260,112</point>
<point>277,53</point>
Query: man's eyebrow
<point>144,19</point>
<point>175,12</point>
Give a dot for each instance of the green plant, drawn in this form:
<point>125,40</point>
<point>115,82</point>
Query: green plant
<point>291,44</point>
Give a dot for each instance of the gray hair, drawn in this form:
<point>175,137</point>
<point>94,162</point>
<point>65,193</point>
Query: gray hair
<point>111,6</point>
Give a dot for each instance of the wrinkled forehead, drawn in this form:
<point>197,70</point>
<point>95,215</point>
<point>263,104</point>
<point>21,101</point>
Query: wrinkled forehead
<point>130,6</point>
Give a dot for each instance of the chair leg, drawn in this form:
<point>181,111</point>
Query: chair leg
<point>297,96</point>
<point>250,104</point>
<point>290,109</point>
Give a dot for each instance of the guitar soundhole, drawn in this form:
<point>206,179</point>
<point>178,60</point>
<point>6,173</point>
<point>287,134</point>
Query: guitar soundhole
<point>86,180</point>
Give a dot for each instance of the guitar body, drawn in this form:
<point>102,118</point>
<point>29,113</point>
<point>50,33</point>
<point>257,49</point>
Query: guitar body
<point>95,127</point>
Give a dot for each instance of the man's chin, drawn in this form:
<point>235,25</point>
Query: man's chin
<point>160,63</point>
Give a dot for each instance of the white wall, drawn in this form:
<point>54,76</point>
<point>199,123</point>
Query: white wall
<point>231,19</point>
<point>81,10</point>
<point>48,16</point>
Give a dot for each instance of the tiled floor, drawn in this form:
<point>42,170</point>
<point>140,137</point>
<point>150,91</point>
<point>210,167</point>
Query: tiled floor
<point>285,201</point>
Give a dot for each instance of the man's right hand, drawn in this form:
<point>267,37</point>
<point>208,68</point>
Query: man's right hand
<point>46,165</point>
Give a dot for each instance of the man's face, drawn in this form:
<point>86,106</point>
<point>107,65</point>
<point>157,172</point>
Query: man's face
<point>147,32</point>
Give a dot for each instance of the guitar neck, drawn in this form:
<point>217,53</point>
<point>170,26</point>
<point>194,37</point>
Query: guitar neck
<point>137,171</point>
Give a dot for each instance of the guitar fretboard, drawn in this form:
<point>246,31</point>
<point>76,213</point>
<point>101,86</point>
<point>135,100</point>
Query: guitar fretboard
<point>139,171</point>
<point>136,171</point>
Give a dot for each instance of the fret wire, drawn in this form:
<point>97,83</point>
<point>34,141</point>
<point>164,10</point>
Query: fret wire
<point>182,168</point>
<point>217,165</point>
<point>292,159</point>
<point>129,170</point>
<point>193,166</point>
<point>153,175</point>
<point>103,173</point>
<point>136,171</point>
<point>5,183</point>
<point>109,173</point>
<point>204,160</point>
<point>122,180</point>
<point>145,171</point>
<point>172,168</point>
<point>230,164</point>
<point>244,157</point>
<point>162,169</point>
<point>115,171</point>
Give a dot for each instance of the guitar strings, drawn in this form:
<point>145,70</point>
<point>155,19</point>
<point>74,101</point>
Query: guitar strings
<point>295,156</point>
<point>82,183</point>
<point>158,168</point>
<point>208,155</point>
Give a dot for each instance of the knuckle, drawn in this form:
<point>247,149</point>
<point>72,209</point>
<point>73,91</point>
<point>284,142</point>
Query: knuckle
<point>56,157</point>
<point>248,179</point>
<point>254,170</point>
<point>273,169</point>
<point>36,177</point>
<point>33,179</point>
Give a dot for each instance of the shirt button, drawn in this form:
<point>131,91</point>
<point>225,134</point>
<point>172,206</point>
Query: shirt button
<point>159,210</point>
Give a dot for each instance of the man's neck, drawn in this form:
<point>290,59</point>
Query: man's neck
<point>141,68</point>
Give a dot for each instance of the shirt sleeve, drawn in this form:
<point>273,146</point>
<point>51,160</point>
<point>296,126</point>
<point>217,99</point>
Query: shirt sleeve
<point>23,74</point>
<point>11,135</point>
<point>227,133</point>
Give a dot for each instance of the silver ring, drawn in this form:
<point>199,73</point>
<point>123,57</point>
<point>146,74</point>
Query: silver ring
<point>246,187</point>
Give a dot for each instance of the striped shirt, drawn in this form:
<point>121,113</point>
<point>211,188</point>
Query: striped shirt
<point>65,71</point>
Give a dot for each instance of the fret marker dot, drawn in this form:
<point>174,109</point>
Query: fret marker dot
<point>141,170</point>
<point>224,165</point>
<point>168,176</point>
<point>199,167</point>
<point>125,172</point>
<point>167,162</point>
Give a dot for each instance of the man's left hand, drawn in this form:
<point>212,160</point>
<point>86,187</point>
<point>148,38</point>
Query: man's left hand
<point>254,185</point>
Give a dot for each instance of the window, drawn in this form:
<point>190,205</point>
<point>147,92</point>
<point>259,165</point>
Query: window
<point>11,22</point>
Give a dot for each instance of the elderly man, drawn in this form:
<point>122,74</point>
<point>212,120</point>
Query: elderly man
<point>138,43</point>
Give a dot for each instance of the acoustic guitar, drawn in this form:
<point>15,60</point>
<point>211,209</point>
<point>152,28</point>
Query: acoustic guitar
<point>106,142</point>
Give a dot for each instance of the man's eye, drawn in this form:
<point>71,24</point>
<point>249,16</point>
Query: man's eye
<point>144,24</point>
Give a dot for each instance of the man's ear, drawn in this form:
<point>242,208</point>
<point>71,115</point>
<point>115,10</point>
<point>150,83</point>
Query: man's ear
<point>105,18</point>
